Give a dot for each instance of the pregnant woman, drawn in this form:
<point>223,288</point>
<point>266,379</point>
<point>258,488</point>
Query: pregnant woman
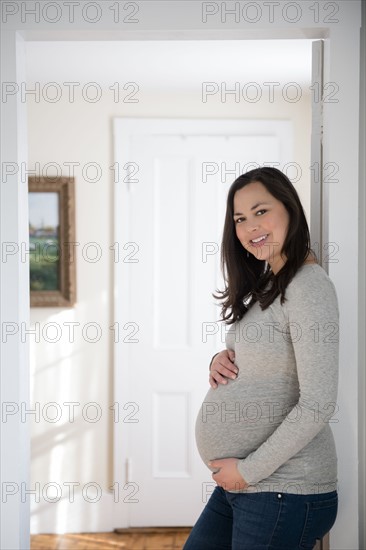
<point>264,426</point>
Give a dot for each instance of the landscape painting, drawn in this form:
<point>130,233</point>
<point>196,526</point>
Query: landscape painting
<point>44,226</point>
<point>52,264</point>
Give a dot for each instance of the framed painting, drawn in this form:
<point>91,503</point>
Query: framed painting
<point>51,242</point>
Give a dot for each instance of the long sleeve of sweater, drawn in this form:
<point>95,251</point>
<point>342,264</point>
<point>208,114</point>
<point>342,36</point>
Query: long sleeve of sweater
<point>311,311</point>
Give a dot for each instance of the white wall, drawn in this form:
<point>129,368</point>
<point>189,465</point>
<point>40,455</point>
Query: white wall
<point>81,372</point>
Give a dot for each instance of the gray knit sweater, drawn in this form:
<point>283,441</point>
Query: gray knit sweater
<point>276,415</point>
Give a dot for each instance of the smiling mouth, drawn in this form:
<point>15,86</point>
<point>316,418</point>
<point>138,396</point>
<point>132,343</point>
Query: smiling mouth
<point>258,241</point>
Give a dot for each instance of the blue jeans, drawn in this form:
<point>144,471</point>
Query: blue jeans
<point>263,521</point>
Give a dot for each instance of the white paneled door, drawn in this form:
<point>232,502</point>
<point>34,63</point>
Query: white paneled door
<point>172,178</point>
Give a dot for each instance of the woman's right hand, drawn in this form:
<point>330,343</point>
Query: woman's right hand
<point>222,368</point>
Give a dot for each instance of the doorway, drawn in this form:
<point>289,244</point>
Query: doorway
<point>283,140</point>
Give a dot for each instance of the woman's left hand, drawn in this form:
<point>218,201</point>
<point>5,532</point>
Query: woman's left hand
<point>228,476</point>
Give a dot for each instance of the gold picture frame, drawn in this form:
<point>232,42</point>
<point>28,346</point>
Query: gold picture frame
<point>52,242</point>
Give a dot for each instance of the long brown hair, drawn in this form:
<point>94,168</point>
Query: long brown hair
<point>246,278</point>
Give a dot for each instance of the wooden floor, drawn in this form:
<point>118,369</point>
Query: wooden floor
<point>126,539</point>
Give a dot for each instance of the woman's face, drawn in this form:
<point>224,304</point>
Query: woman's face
<point>259,214</point>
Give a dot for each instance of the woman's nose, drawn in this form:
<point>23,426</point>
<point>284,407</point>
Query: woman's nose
<point>252,226</point>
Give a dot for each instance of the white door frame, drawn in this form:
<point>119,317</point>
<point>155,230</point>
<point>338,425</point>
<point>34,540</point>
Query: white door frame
<point>362,290</point>
<point>182,20</point>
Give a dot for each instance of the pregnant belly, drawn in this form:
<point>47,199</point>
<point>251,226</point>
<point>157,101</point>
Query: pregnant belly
<point>233,424</point>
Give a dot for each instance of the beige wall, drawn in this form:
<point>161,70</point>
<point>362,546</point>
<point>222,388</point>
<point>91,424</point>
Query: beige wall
<point>82,372</point>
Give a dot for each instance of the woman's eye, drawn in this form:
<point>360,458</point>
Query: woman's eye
<point>259,211</point>
<point>239,220</point>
